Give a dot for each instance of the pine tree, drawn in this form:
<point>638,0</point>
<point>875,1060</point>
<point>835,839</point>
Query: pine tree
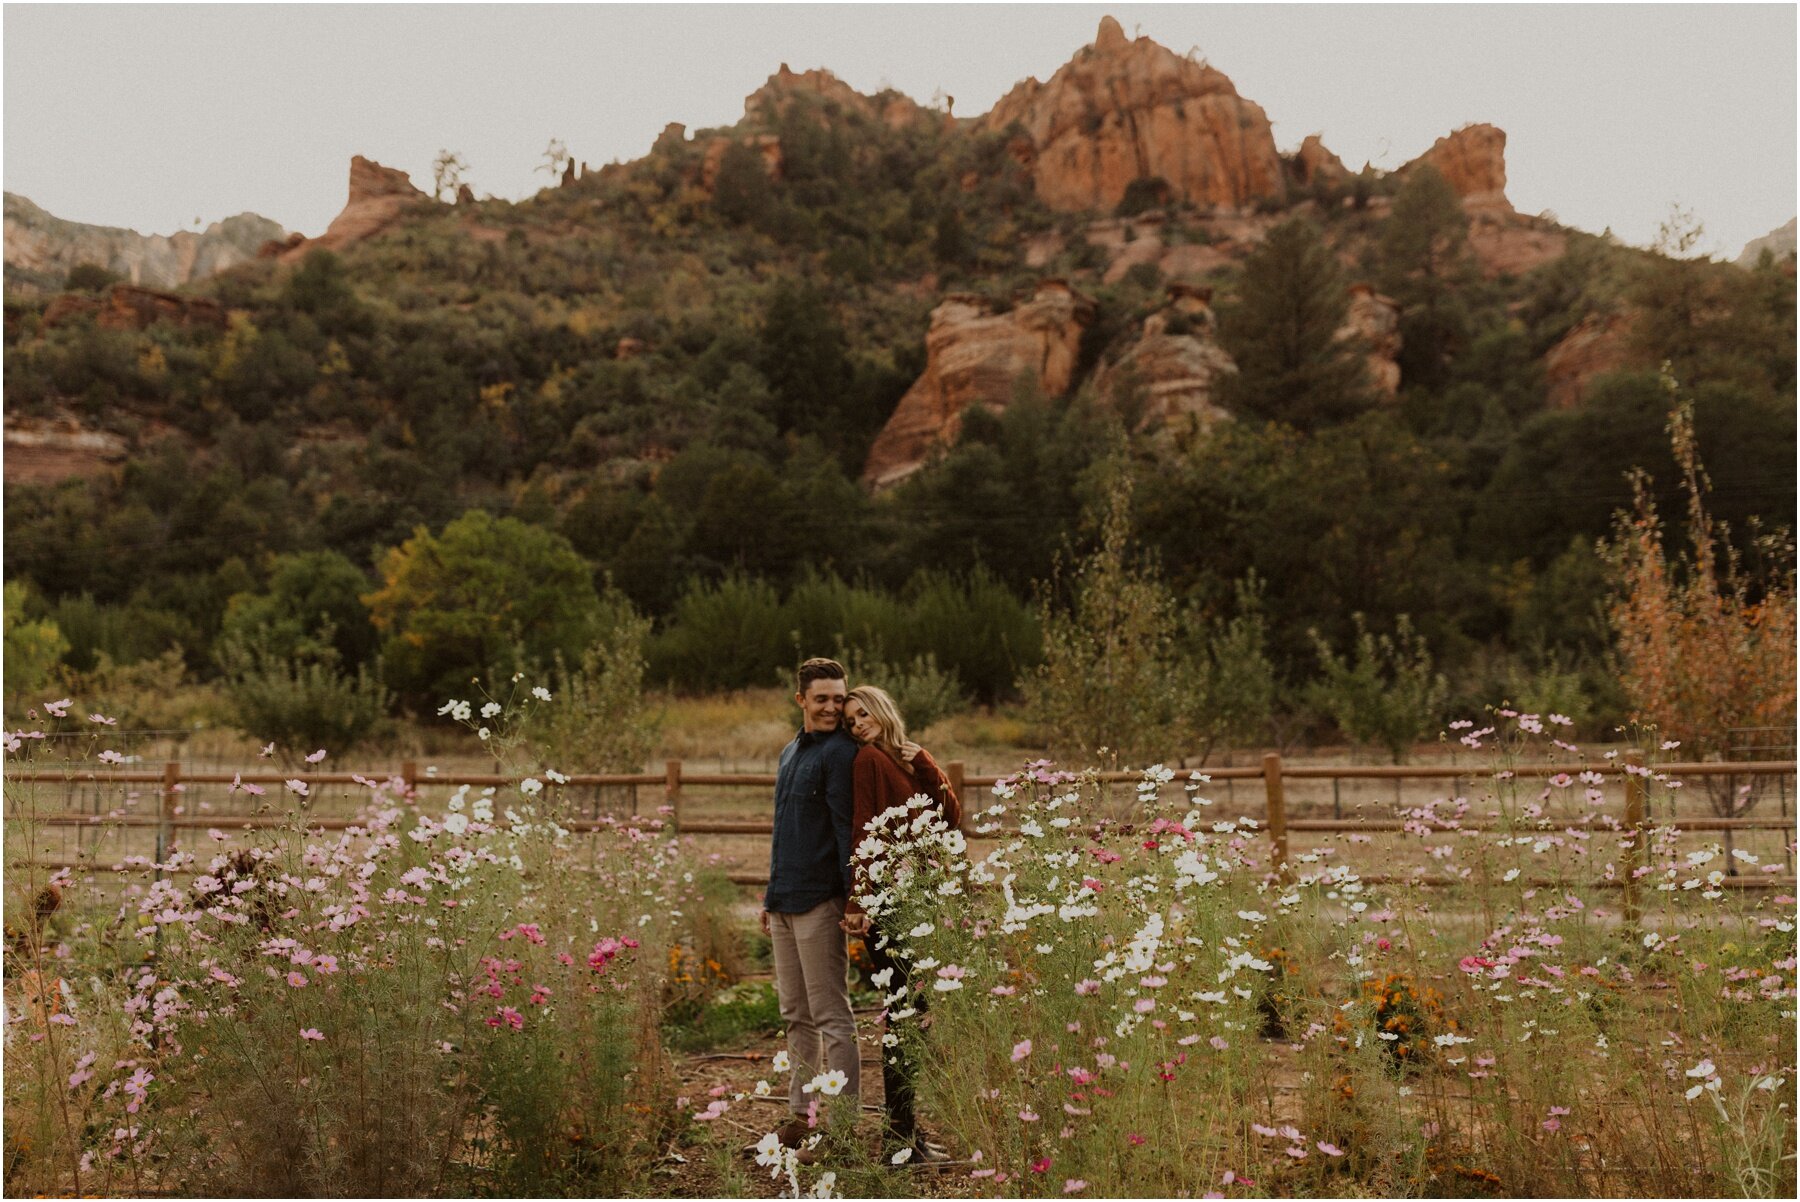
<point>1283,333</point>
<point>1425,264</point>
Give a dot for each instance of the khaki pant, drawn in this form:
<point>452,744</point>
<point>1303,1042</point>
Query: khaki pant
<point>811,963</point>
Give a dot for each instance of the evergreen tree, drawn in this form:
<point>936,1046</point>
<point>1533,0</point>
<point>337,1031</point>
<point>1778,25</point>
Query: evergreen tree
<point>1283,334</point>
<point>1425,262</point>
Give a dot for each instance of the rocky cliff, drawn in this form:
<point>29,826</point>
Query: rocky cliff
<point>1473,160</point>
<point>1128,109</point>
<point>975,355</point>
<point>41,249</point>
<point>378,196</point>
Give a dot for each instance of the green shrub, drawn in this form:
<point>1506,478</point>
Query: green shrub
<point>300,702</point>
<point>599,720</point>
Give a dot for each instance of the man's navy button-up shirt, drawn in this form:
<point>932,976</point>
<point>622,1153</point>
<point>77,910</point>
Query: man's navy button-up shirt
<point>809,856</point>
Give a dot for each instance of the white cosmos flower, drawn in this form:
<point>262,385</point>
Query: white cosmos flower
<point>540,692</point>
<point>946,985</point>
<point>531,786</point>
<point>780,1063</point>
<point>880,979</point>
<point>920,931</point>
<point>763,1089</point>
<point>824,1186</point>
<point>768,1150</point>
<point>832,1083</point>
<point>456,823</point>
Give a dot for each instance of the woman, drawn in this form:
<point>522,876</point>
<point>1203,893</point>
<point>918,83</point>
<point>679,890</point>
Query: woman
<point>888,772</point>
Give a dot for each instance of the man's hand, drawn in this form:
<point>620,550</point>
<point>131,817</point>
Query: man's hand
<point>762,919</point>
<point>855,924</point>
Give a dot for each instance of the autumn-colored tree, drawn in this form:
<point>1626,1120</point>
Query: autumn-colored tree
<point>1703,646</point>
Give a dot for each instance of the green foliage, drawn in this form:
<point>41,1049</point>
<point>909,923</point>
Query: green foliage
<point>1388,695</point>
<point>485,597</point>
<point>1141,195</point>
<point>90,277</point>
<point>1283,334</point>
<point>749,1008</point>
<point>150,694</point>
<point>1109,679</point>
<point>600,719</point>
<point>924,692</point>
<point>307,591</point>
<point>727,635</point>
<point>33,647</point>
<point>1232,691</point>
<point>1425,261</point>
<point>301,700</point>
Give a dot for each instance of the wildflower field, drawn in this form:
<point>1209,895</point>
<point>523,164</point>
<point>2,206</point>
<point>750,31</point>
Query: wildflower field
<point>473,994</point>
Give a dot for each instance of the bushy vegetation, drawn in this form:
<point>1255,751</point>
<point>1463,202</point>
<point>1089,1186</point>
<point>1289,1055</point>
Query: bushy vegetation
<point>430,440</point>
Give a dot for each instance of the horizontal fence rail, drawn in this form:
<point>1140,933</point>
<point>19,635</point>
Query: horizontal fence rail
<point>674,779</point>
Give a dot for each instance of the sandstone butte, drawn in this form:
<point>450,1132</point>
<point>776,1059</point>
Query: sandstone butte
<point>1473,160</point>
<point>974,355</point>
<point>1128,109</point>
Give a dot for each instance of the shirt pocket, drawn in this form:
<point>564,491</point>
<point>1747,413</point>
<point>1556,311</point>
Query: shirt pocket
<point>808,782</point>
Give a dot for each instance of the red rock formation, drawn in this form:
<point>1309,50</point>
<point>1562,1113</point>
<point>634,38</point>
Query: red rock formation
<point>768,145</point>
<point>1598,344</point>
<point>378,195</point>
<point>129,307</point>
<point>46,450</point>
<point>1172,369</point>
<point>1473,160</point>
<point>274,248</point>
<point>1315,164</point>
<point>1375,319</point>
<point>1506,243</point>
<point>465,195</point>
<point>777,95</point>
<point>1124,110</point>
<point>973,356</point>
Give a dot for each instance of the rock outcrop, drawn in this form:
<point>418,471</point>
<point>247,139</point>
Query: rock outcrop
<point>128,307</point>
<point>1375,320</point>
<point>766,145</point>
<point>1473,160</point>
<point>1165,380</point>
<point>1128,109</point>
<point>977,356</point>
<point>1314,164</point>
<point>1507,243</point>
<point>775,97</point>
<point>45,450</point>
<point>41,249</point>
<point>1599,343</point>
<point>378,196</point>
<point>1779,243</point>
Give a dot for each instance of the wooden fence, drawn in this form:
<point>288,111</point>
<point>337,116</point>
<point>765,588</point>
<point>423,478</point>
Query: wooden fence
<point>675,781</point>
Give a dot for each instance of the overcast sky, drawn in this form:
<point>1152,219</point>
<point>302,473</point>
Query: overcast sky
<point>150,116</point>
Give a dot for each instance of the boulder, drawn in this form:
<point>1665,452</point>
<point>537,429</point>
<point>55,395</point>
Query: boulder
<point>976,355</point>
<point>1128,109</point>
<point>1599,343</point>
<point>378,195</point>
<point>1473,160</point>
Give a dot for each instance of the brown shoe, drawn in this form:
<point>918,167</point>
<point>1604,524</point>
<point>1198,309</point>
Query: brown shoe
<point>792,1132</point>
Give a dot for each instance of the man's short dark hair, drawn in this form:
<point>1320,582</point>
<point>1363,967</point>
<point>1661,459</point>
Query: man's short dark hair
<point>819,668</point>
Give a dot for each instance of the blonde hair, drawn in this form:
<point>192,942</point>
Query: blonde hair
<point>890,726</point>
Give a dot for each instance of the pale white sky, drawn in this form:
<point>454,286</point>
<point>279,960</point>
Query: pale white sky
<point>149,116</point>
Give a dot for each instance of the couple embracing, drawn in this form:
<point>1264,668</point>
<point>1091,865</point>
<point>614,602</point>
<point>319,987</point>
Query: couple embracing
<point>849,763</point>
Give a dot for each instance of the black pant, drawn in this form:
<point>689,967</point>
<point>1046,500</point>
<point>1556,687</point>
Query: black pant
<point>897,1067</point>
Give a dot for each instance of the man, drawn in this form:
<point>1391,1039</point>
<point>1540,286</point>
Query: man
<point>809,883</point>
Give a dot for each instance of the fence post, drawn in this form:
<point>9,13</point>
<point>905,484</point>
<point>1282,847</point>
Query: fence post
<point>954,772</point>
<point>166,812</point>
<point>409,772</point>
<point>1636,795</point>
<point>1276,812</point>
<point>672,793</point>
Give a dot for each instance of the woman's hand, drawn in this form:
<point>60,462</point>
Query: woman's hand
<point>908,750</point>
<point>855,924</point>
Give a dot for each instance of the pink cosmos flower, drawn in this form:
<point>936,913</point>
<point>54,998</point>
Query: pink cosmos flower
<point>311,1033</point>
<point>316,756</point>
<point>1086,987</point>
<point>1021,1050</point>
<point>296,980</point>
<point>1074,1185</point>
<point>1329,1149</point>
